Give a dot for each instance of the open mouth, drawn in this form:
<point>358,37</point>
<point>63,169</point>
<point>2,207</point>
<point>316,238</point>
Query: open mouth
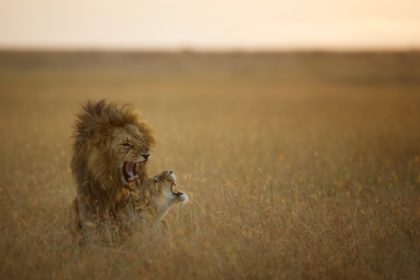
<point>129,171</point>
<point>175,191</point>
<point>180,196</point>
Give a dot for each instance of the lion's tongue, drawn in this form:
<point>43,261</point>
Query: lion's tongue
<point>129,168</point>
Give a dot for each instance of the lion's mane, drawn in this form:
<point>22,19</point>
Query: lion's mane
<point>98,182</point>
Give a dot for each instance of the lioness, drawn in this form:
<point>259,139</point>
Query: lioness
<point>154,198</point>
<point>144,208</point>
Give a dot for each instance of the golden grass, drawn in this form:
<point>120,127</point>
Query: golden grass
<point>297,165</point>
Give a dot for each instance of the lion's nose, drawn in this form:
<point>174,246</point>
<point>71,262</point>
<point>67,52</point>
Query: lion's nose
<point>145,155</point>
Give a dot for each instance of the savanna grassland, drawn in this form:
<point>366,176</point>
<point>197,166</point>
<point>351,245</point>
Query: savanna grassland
<point>298,165</point>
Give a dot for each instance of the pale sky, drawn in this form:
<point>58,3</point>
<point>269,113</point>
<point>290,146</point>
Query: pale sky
<point>211,24</point>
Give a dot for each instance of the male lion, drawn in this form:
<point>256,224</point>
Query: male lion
<point>111,148</point>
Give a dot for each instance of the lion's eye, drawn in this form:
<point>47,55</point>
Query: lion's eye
<point>126,145</point>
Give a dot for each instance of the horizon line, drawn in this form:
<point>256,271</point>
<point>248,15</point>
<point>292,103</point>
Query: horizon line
<point>191,49</point>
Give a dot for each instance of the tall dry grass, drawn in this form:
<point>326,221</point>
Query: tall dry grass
<point>298,166</point>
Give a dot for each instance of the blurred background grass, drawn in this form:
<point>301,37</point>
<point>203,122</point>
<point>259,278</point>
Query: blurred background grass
<point>299,164</point>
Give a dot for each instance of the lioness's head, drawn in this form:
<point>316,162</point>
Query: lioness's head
<point>112,146</point>
<point>164,194</point>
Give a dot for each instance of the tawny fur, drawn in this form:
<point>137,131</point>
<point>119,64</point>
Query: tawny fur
<point>98,157</point>
<point>149,203</point>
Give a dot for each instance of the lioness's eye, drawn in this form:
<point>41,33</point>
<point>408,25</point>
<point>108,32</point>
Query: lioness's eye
<point>126,145</point>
